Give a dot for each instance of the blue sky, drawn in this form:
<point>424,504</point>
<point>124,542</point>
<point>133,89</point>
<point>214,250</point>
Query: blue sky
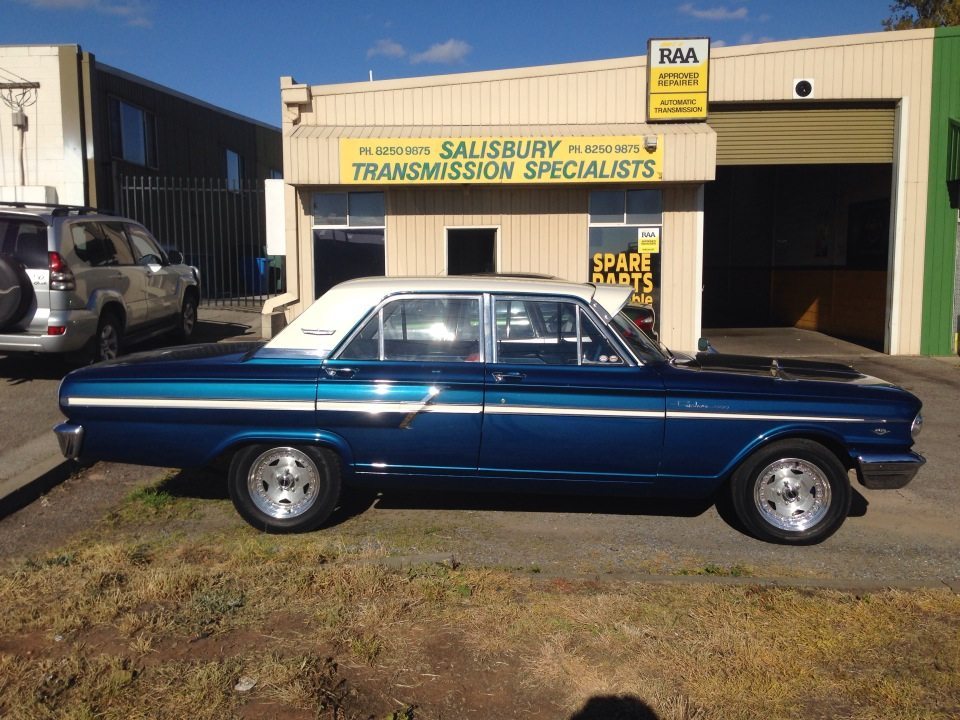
<point>232,54</point>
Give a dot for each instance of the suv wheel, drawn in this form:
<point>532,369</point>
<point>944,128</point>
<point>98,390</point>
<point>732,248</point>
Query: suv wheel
<point>106,345</point>
<point>16,291</point>
<point>188,318</point>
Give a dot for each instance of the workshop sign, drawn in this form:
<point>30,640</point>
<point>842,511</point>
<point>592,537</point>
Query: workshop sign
<point>501,160</point>
<point>635,264</point>
<point>678,73</point>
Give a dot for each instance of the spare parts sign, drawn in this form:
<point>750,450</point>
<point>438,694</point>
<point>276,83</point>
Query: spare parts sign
<point>677,79</point>
<point>501,160</point>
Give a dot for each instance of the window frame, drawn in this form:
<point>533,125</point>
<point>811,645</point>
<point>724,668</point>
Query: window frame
<point>628,357</point>
<point>377,312</point>
<point>148,121</point>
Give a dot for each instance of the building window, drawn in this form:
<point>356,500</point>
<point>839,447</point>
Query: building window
<point>348,237</point>
<point>133,133</point>
<point>625,234</point>
<point>234,170</point>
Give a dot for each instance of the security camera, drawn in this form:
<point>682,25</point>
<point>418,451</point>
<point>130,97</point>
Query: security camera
<point>802,89</point>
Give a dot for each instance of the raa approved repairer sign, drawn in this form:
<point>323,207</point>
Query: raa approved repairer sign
<point>499,160</point>
<point>678,73</point>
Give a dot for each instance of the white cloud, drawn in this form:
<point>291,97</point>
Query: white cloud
<point>387,48</point>
<point>718,43</point>
<point>721,12</point>
<point>134,12</point>
<point>452,51</point>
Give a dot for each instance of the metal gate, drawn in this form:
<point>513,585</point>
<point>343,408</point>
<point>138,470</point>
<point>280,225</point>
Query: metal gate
<point>219,227</point>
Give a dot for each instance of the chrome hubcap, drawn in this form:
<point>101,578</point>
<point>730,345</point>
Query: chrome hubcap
<point>792,494</point>
<point>283,482</point>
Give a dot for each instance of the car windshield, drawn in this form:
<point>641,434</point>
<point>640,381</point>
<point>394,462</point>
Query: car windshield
<point>641,344</point>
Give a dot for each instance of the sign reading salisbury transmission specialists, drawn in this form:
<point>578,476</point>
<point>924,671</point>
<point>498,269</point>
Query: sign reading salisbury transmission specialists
<point>677,79</point>
<point>499,160</point>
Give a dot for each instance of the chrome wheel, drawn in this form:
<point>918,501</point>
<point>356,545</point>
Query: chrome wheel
<point>792,494</point>
<point>283,482</point>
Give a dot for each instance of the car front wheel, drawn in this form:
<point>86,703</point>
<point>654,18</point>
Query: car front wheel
<point>284,489</point>
<point>791,491</point>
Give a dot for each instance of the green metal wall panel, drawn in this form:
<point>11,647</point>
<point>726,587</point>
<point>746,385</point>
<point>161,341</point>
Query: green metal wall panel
<point>938,328</point>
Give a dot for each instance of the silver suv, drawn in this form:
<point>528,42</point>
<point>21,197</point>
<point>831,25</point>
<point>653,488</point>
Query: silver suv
<point>76,280</point>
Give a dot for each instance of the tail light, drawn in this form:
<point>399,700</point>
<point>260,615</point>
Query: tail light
<point>61,278</point>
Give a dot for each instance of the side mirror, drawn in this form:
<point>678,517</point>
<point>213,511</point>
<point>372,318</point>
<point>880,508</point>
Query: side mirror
<point>704,346</point>
<point>175,257</point>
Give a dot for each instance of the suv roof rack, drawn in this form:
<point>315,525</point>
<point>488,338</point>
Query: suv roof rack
<point>57,209</point>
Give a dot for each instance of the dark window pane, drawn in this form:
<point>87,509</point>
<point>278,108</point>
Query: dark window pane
<point>366,209</point>
<point>134,141</point>
<point>329,208</point>
<point>365,344</point>
<point>117,245</point>
<point>340,255</point>
<point>26,241</point>
<point>234,170</point>
<point>644,207</point>
<point>606,206</point>
<point>595,349</point>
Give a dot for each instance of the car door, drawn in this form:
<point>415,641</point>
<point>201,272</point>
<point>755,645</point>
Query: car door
<point>561,402</point>
<point>109,268</point>
<point>161,282</point>
<point>406,391</point>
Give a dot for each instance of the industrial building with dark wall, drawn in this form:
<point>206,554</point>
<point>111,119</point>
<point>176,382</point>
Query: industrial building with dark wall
<point>82,125</point>
<point>815,194</point>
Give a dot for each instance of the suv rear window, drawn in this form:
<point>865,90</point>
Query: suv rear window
<point>26,240</point>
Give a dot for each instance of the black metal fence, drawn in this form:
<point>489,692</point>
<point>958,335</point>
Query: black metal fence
<point>220,228</point>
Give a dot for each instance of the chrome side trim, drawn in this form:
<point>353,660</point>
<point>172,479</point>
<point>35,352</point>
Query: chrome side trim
<point>398,407</point>
<point>70,438</point>
<point>591,412</point>
<point>187,403</point>
<point>680,415</point>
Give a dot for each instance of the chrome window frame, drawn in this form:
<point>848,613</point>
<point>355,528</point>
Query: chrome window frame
<point>629,358</point>
<point>378,312</point>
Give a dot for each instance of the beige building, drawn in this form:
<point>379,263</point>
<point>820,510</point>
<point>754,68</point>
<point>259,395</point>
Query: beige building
<point>803,200</point>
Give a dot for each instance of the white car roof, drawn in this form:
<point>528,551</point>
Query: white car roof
<point>321,326</point>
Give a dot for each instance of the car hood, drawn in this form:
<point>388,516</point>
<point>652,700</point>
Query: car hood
<point>784,368</point>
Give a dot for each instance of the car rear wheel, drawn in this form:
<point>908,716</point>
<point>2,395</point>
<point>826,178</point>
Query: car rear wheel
<point>792,491</point>
<point>16,291</point>
<point>188,318</point>
<point>284,489</point>
<point>108,342</point>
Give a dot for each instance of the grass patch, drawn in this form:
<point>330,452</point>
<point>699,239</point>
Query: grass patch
<point>156,625</point>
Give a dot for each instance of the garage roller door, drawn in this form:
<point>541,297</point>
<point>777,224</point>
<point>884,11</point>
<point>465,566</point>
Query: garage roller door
<point>803,136</point>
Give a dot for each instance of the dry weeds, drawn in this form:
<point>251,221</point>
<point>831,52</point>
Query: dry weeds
<point>158,618</point>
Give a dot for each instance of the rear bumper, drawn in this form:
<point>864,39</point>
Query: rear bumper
<point>70,437</point>
<point>80,327</point>
<point>888,472</point>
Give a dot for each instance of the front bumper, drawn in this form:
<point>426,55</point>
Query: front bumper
<point>70,437</point>
<point>888,472</point>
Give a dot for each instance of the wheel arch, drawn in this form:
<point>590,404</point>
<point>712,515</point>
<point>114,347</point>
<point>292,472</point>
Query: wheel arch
<point>831,441</point>
<point>225,451</point>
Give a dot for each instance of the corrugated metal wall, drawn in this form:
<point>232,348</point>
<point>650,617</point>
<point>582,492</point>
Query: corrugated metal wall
<point>889,67</point>
<point>803,135</point>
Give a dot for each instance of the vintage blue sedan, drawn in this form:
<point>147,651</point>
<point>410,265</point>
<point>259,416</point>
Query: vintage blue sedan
<point>495,384</point>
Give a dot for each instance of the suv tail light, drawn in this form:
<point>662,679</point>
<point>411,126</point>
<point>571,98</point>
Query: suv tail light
<point>61,278</point>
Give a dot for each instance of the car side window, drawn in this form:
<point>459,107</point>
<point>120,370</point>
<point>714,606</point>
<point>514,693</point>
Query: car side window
<point>443,329</point>
<point>145,250</point>
<point>98,247</point>
<point>548,332</point>
<point>117,240</point>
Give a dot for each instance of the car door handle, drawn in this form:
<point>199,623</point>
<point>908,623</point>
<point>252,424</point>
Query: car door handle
<point>502,377</point>
<point>342,373</point>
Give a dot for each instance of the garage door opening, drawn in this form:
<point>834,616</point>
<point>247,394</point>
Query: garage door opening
<point>471,251</point>
<point>803,246</point>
